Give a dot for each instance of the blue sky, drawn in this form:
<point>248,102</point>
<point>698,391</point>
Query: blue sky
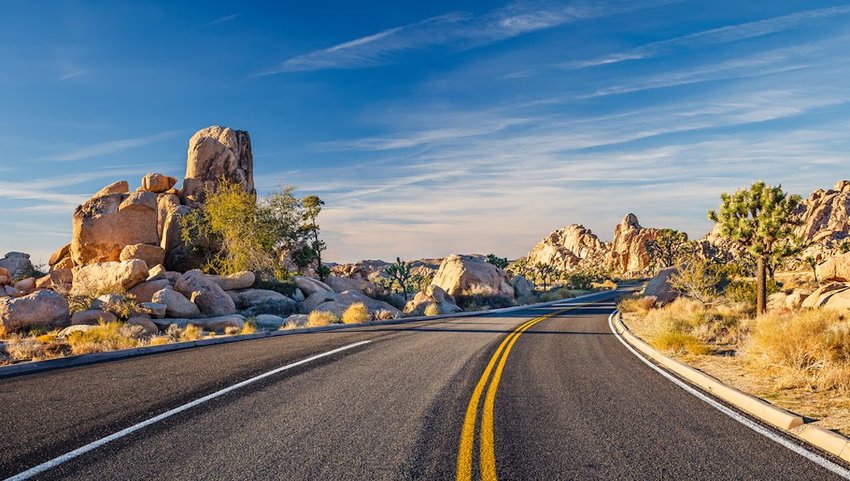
<point>428,127</point>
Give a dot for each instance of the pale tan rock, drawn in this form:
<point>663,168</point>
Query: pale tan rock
<point>41,308</point>
<point>825,216</point>
<point>144,291</point>
<point>60,254</point>
<point>660,288</point>
<point>145,323</point>
<point>565,248</point>
<point>103,226</point>
<point>628,250</point>
<point>821,294</point>
<point>158,183</point>
<point>153,255</point>
<point>342,284</point>
<point>65,263</point>
<point>253,302</point>
<point>464,274</point>
<point>217,153</point>
<point>120,187</point>
<point>310,286</point>
<point>176,304</point>
<point>156,273</point>
<point>835,268</point>
<point>206,294</point>
<point>59,280</point>
<point>108,276</point>
<point>92,317</point>
<point>26,285</point>
<point>239,280</point>
<point>795,298</point>
<point>165,203</point>
<point>432,295</point>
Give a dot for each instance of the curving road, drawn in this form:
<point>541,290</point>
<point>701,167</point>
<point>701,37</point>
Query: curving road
<point>561,399</point>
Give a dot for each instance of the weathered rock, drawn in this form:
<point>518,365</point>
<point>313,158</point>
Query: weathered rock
<point>26,285</point>
<point>143,292</point>
<point>108,276</point>
<point>333,307</point>
<point>268,322</point>
<point>120,187</point>
<point>341,284</point>
<point>795,298</point>
<point>176,305</point>
<point>660,288</point>
<point>776,301</point>
<point>825,215</point>
<point>217,153</point>
<point>314,300</point>
<point>432,295</point>
<point>299,320</point>
<point>12,291</point>
<point>177,256</point>
<point>145,323</point>
<point>165,203</point>
<point>835,268</point>
<point>253,302</point>
<point>565,248</point>
<point>4,279</point>
<point>59,254</point>
<point>154,309</point>
<point>465,274</point>
<point>157,183</point>
<point>5,273</point>
<point>151,254</point>
<point>104,225</point>
<point>17,263</point>
<point>65,263</point>
<point>298,295</point>
<point>37,309</point>
<point>310,286</point>
<point>347,298</point>
<point>239,280</point>
<point>523,288</point>
<point>156,273</point>
<point>59,280</point>
<point>628,250</point>
<point>92,317</point>
<point>819,297</point>
<point>206,294</point>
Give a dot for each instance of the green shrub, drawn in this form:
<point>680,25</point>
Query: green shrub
<point>746,291</point>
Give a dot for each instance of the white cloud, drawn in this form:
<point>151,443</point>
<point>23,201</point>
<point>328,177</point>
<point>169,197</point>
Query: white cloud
<point>110,147</point>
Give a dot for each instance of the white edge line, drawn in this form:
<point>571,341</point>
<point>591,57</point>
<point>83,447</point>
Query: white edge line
<point>802,451</point>
<point>124,432</point>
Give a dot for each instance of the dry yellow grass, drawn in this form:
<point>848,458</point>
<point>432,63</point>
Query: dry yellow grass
<point>680,342</point>
<point>248,328</point>
<point>191,332</point>
<point>432,309</point>
<point>638,304</point>
<point>384,315</point>
<point>159,340</point>
<point>356,313</point>
<point>104,337</point>
<point>321,318</point>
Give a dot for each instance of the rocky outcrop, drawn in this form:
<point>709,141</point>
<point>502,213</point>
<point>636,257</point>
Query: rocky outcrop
<point>463,274</point>
<point>565,248</point>
<point>104,225</point>
<point>144,291</point>
<point>825,216</point>
<point>176,305</point>
<point>310,286</point>
<point>628,250</point>
<point>217,153</point>
<point>59,255</point>
<point>523,288</point>
<point>206,294</point>
<point>239,280</point>
<point>17,263</point>
<point>108,276</point>
<point>119,187</point>
<point>659,286</point>
<point>158,183</point>
<point>253,302</point>
<point>152,255</point>
<point>835,268</point>
<point>217,324</point>
<point>41,308</point>
<point>92,317</point>
<point>432,295</point>
<point>342,284</point>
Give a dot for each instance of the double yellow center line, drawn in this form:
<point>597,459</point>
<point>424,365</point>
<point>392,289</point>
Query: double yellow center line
<point>487,445</point>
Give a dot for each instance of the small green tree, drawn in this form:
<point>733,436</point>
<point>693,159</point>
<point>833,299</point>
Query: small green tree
<point>310,229</point>
<point>400,273</point>
<point>761,219</point>
<point>500,262</point>
<point>545,273</point>
<point>813,264</point>
<point>698,278</point>
<point>669,247</point>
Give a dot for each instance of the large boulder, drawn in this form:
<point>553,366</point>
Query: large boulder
<point>252,302</point>
<point>118,187</point>
<point>206,294</point>
<point>41,308</point>
<point>151,254</point>
<point>157,183</point>
<point>835,268</point>
<point>92,317</point>
<point>310,286</point>
<point>459,274</point>
<point>60,280</point>
<point>103,226</point>
<point>317,298</point>
<point>628,253</point>
<point>106,277</point>
<point>215,154</point>
<point>660,288</point>
<point>144,291</point>
<point>232,282</point>
<point>822,294</point>
<point>523,288</point>
<point>176,305</point>
<point>348,298</point>
<point>432,295</point>
<point>838,300</point>
<point>59,254</point>
<point>217,324</point>
<point>269,322</point>
<point>177,256</point>
<point>17,263</point>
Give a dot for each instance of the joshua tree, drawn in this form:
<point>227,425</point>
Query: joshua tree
<point>761,219</point>
<point>500,262</point>
<point>668,248</point>
<point>545,272</point>
<point>400,274</point>
<point>813,263</point>
<point>312,205</point>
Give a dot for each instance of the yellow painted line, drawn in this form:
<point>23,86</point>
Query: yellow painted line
<point>487,443</point>
<point>467,435</point>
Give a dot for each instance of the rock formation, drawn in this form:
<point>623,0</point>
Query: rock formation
<point>217,153</point>
<point>565,248</point>
<point>825,220</point>
<point>463,274</point>
<point>628,250</point>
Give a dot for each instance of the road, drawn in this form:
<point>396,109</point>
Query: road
<point>569,402</point>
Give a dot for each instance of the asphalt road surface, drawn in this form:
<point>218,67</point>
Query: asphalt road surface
<point>545,393</point>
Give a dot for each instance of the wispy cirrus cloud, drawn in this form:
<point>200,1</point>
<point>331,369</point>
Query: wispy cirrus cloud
<point>218,21</point>
<point>457,30</point>
<point>110,147</point>
<point>716,36</point>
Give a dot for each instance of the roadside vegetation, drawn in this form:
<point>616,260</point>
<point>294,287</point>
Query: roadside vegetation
<point>730,318</point>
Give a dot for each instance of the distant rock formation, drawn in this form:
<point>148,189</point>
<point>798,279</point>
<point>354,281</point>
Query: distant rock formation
<point>825,217</point>
<point>463,274</point>
<point>628,250</point>
<point>217,153</point>
<point>565,248</point>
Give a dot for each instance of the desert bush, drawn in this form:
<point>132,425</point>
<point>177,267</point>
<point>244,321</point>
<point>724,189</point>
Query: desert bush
<point>104,337</point>
<point>680,342</point>
<point>746,291</point>
<point>383,315</point>
<point>808,349</point>
<point>159,340</point>
<point>191,332</point>
<point>699,279</point>
<point>558,294</point>
<point>636,303</point>
<point>356,313</point>
<point>482,302</point>
<point>607,284</point>
<point>432,309</point>
<point>717,324</point>
<point>321,318</point>
<point>25,348</point>
<point>248,328</point>
<point>279,283</point>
